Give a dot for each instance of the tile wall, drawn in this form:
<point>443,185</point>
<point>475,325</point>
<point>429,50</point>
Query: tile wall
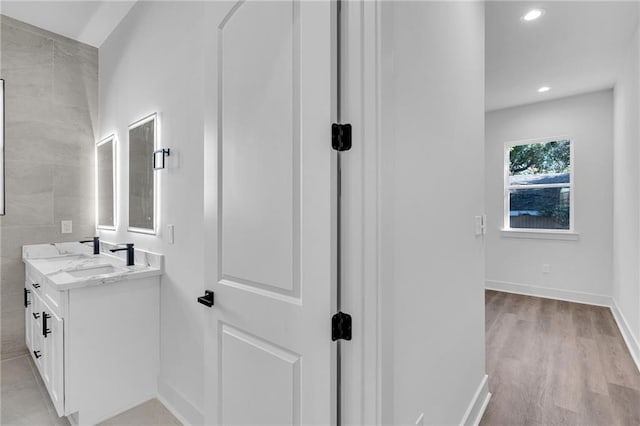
<point>51,103</point>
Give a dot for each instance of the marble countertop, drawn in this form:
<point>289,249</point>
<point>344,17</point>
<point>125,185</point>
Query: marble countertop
<point>73,265</point>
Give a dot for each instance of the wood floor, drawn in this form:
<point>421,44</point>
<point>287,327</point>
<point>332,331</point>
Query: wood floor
<point>557,363</point>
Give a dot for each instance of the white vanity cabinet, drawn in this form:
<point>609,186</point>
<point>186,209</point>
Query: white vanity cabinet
<point>95,341</point>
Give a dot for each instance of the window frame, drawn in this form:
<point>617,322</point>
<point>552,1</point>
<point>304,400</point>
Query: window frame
<point>507,187</point>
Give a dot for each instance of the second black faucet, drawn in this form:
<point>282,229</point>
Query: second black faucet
<point>96,244</point>
<point>129,249</point>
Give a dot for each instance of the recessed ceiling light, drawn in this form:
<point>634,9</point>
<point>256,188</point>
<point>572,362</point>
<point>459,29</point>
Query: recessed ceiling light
<point>544,89</point>
<point>533,14</point>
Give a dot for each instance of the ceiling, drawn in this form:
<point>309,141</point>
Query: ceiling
<point>90,22</point>
<point>575,47</point>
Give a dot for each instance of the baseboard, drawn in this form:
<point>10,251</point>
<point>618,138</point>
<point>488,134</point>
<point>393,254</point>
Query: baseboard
<point>478,404</point>
<point>549,293</point>
<point>627,334</point>
<point>179,406</point>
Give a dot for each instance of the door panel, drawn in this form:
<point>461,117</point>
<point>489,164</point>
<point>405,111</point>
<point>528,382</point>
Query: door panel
<point>268,207</point>
<point>268,380</point>
<point>259,134</point>
<point>28,318</point>
<point>36,329</point>
<point>53,361</point>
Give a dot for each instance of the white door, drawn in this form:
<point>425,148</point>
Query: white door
<point>269,214</point>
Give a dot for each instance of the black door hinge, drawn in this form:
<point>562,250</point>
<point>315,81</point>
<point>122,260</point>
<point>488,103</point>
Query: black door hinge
<point>341,327</point>
<point>341,137</point>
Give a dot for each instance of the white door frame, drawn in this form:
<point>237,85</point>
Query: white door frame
<point>362,367</point>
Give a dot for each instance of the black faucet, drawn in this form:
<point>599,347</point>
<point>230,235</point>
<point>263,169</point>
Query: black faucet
<point>129,249</point>
<point>96,244</point>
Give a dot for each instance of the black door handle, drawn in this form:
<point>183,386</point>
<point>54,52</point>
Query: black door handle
<point>36,315</point>
<point>207,299</point>
<point>37,354</point>
<point>27,302</point>
<point>35,285</point>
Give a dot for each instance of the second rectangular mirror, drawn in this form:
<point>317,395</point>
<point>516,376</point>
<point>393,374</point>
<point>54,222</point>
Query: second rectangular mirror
<point>105,176</point>
<point>142,184</point>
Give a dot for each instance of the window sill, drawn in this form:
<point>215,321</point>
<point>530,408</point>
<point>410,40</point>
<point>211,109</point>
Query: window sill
<point>540,235</point>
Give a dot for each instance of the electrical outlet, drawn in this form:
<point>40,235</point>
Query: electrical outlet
<point>66,227</point>
<point>546,268</point>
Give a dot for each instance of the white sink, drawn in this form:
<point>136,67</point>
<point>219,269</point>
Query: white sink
<point>94,271</point>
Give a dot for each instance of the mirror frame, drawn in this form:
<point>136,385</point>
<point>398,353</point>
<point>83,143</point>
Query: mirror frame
<point>154,230</point>
<point>111,138</point>
<point>2,168</point>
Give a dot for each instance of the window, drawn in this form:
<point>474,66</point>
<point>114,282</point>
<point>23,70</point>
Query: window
<point>539,185</point>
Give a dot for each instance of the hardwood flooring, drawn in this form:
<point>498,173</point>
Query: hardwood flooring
<point>552,362</point>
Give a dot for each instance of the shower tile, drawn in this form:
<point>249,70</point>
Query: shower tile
<point>24,49</point>
<point>12,277</point>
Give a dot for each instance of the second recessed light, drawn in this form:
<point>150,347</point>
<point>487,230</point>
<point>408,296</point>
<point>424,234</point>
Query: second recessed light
<point>544,89</point>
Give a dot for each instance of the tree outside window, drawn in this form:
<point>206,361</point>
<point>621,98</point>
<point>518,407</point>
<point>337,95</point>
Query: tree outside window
<point>538,190</point>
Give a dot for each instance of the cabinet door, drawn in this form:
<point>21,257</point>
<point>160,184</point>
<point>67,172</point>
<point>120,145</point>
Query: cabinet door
<point>36,329</point>
<point>28,318</point>
<point>53,357</point>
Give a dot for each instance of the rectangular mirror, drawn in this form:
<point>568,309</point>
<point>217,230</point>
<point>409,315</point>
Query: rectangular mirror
<point>106,183</point>
<point>142,183</point>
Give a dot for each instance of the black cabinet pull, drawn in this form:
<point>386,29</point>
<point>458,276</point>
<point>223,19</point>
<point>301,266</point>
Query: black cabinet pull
<point>37,354</point>
<point>27,302</point>
<point>35,285</point>
<point>36,315</point>
<point>45,330</point>
<point>207,299</point>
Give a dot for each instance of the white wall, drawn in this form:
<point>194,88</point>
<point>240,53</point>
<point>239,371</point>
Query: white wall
<point>153,62</point>
<point>585,265</point>
<point>432,263</point>
<point>626,211</point>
